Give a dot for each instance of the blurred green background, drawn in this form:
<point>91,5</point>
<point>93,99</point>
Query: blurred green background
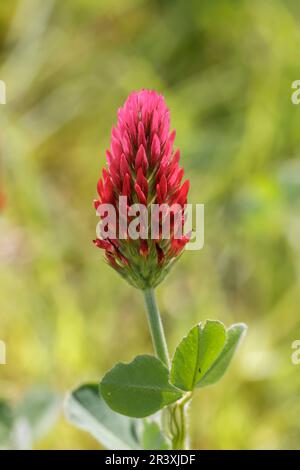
<point>226,69</point>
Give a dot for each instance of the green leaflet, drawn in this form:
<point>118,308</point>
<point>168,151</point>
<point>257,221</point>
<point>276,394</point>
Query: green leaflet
<point>204,354</point>
<point>24,424</point>
<point>140,388</point>
<point>153,438</point>
<point>234,335</point>
<point>86,409</point>
<point>6,424</point>
<point>196,353</point>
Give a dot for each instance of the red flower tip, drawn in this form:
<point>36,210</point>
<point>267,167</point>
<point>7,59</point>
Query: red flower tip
<point>160,254</point>
<point>142,181</point>
<point>124,167</point>
<point>163,186</point>
<point>181,199</point>
<point>155,149</point>
<point>144,250</point>
<point>141,135</point>
<point>104,244</point>
<point>126,188</point>
<point>141,159</point>
<point>141,196</point>
<point>177,245</point>
<point>97,203</point>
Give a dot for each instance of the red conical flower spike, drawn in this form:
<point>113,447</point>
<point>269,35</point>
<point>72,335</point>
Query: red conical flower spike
<point>143,167</point>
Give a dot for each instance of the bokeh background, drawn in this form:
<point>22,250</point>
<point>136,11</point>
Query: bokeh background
<point>226,70</point>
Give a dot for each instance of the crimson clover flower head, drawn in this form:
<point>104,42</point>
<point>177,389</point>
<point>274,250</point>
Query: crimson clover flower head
<point>142,168</point>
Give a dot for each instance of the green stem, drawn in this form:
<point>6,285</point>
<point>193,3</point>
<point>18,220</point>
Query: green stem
<point>156,327</point>
<point>174,415</point>
<point>179,439</point>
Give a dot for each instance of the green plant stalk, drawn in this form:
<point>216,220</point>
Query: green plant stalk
<point>173,415</point>
<point>179,440</point>
<point>156,327</point>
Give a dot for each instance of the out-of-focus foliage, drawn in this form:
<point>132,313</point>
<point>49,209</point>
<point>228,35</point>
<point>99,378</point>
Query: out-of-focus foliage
<point>25,424</point>
<point>226,70</point>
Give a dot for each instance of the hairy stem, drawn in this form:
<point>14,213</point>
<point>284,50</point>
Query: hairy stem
<point>156,327</point>
<point>174,416</point>
<point>179,438</point>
